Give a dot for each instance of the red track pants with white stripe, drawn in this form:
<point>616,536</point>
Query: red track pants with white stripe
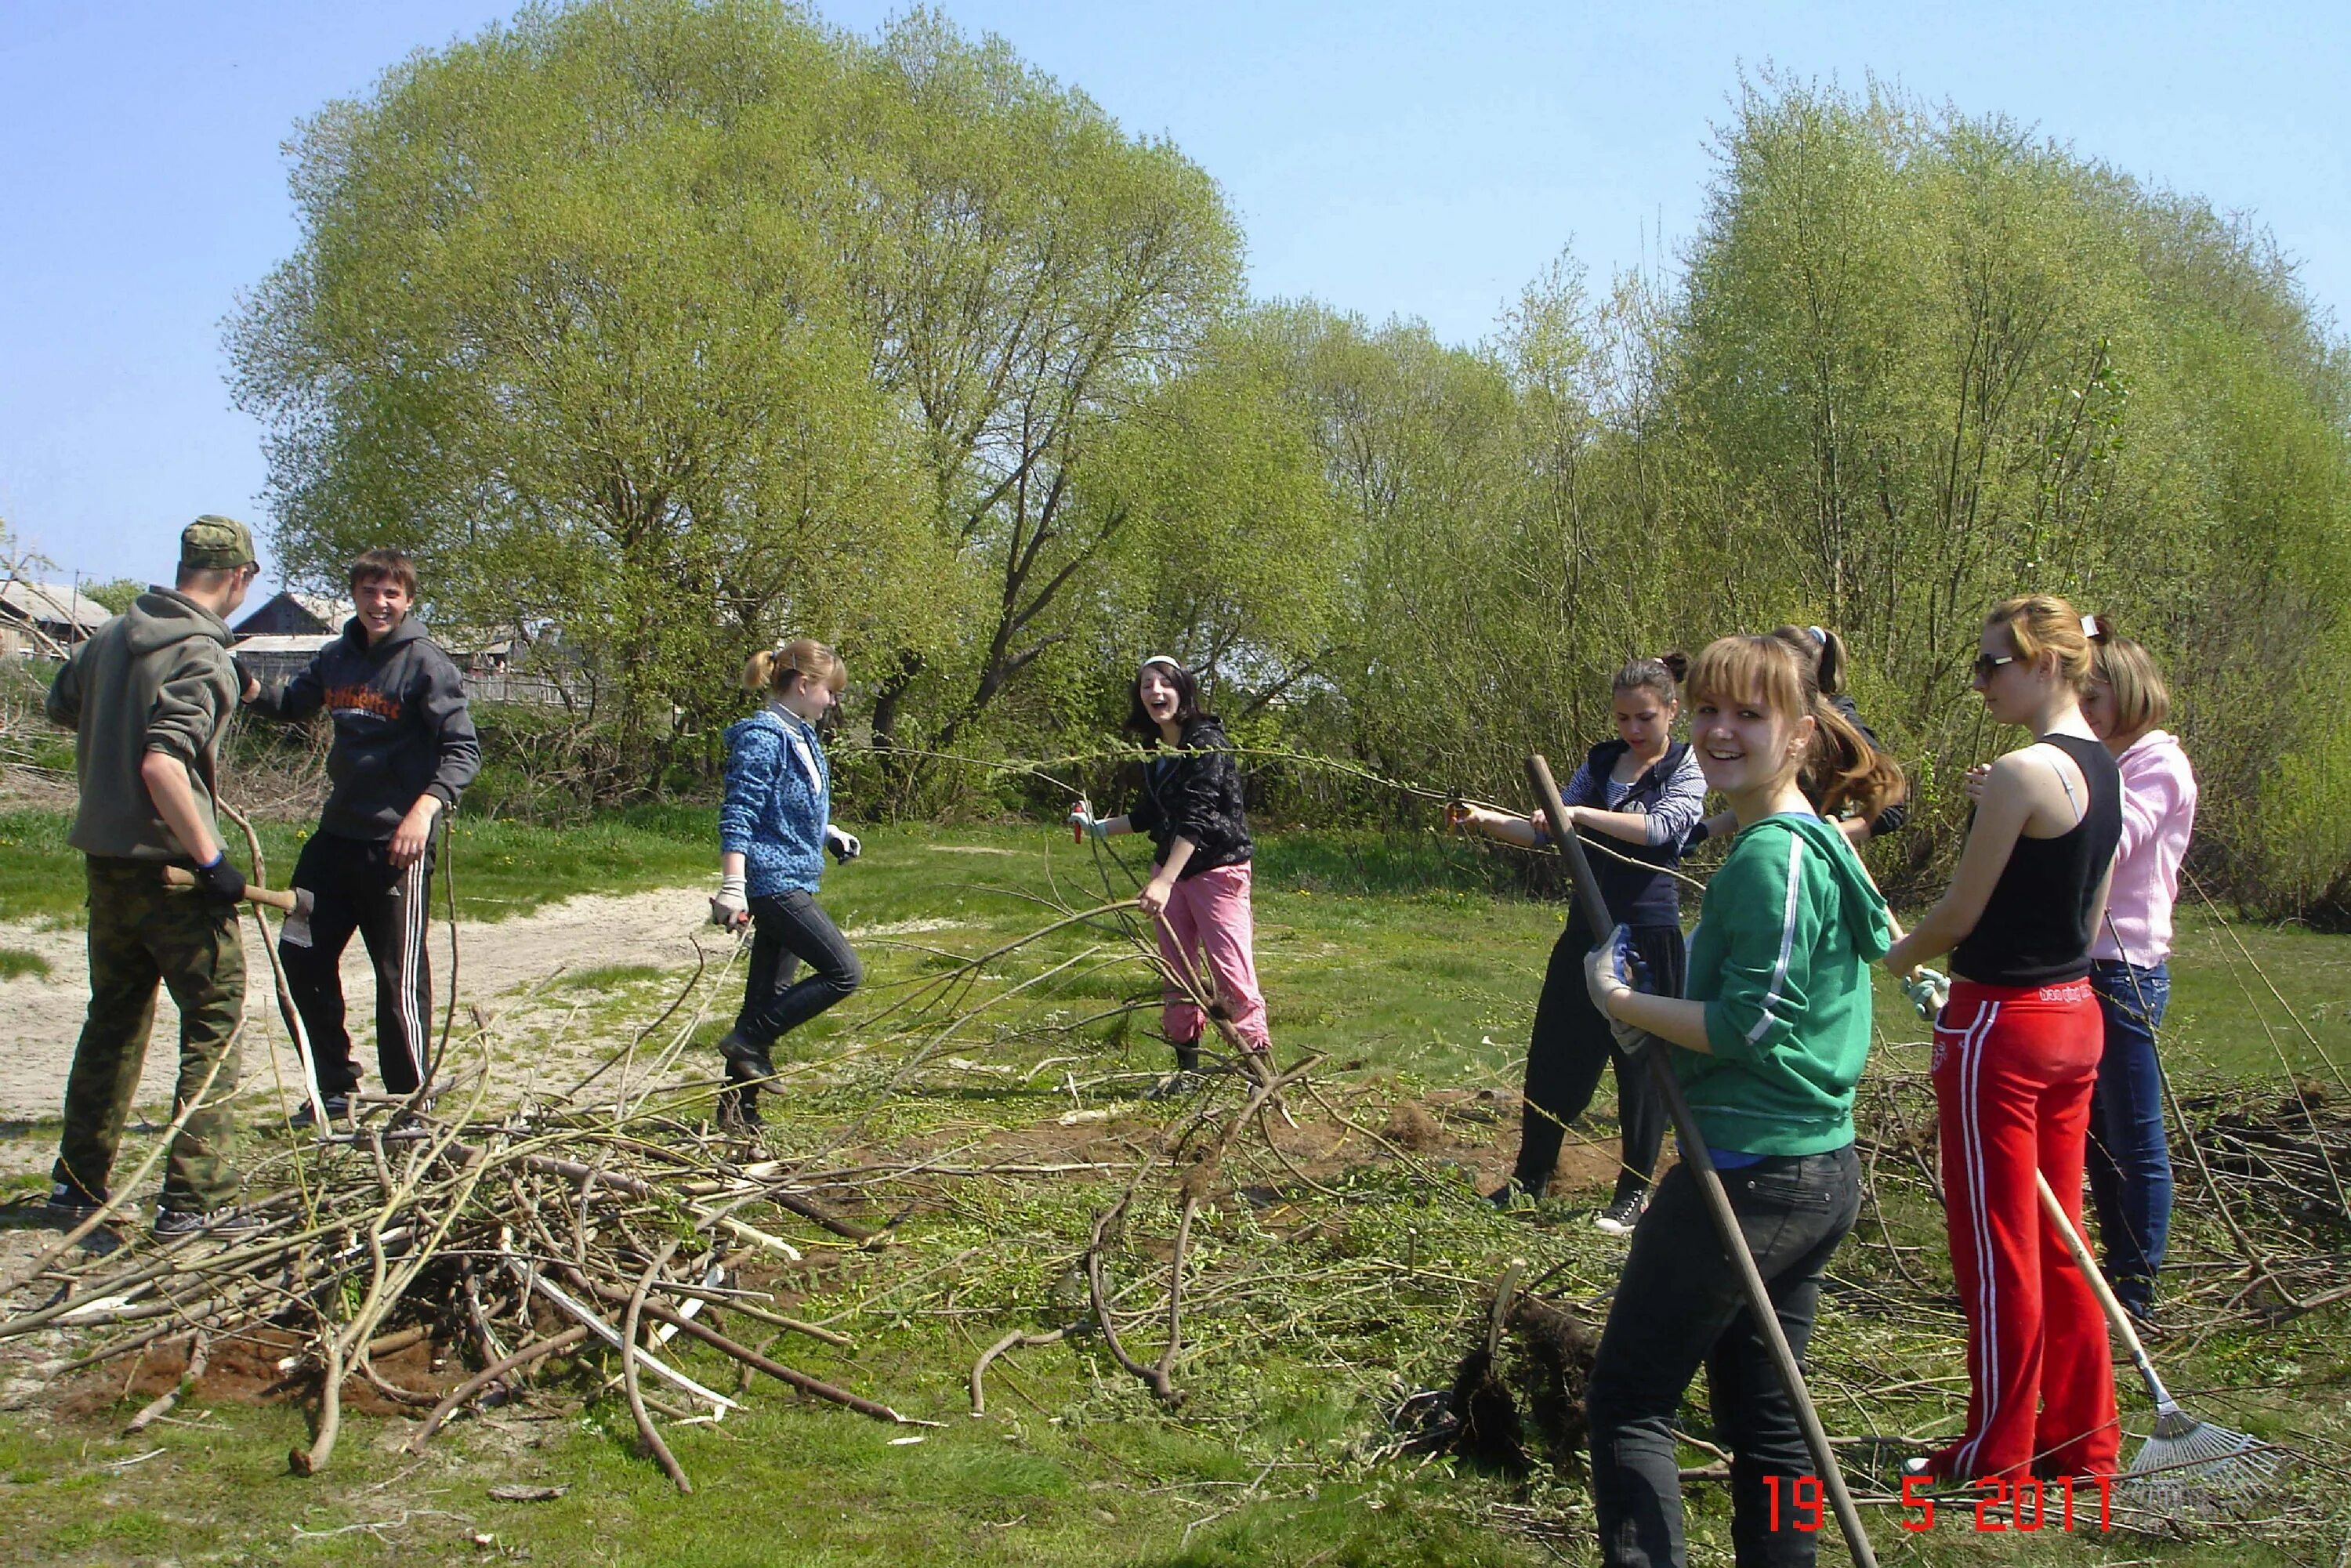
<point>2013,1071</point>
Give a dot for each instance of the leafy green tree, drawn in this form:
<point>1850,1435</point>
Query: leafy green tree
<point>115,595</point>
<point>567,319</point>
<point>1026,274</point>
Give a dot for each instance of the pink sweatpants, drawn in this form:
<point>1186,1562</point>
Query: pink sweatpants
<point>2013,1070</point>
<point>1208,918</point>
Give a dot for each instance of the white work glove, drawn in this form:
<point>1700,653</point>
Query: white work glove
<point>1927,989</point>
<point>1084,821</point>
<point>729,908</point>
<point>1613,967</point>
<point>844,845</point>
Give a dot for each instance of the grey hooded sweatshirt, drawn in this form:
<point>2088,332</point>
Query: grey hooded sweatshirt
<point>157,677</point>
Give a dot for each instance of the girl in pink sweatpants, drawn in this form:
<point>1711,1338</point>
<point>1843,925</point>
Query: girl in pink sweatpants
<point>1198,894</point>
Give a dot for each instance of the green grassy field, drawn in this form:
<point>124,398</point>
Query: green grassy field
<point>1328,1305</point>
<point>502,868</point>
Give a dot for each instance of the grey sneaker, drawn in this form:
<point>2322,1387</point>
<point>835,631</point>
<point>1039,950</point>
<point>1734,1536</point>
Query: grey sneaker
<point>68,1205</point>
<point>1621,1216</point>
<point>1177,1085</point>
<point>230,1220</point>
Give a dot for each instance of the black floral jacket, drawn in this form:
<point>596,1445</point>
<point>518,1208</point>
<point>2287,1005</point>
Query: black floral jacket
<point>1194,793</point>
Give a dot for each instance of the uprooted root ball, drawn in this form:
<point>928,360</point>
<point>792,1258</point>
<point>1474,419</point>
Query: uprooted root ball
<point>1526,1402</point>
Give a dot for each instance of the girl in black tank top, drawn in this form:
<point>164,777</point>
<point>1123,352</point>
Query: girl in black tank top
<point>2016,1057</point>
<point>2036,928</point>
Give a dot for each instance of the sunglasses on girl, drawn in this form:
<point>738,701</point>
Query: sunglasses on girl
<point>1987,663</point>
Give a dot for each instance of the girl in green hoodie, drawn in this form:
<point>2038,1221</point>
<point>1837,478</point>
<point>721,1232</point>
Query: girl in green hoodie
<point>1768,1043</point>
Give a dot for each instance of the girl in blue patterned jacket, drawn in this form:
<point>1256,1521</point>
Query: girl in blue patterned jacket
<point>773,829</point>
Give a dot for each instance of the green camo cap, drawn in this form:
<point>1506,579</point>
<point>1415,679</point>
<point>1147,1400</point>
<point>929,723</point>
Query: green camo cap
<point>214,541</point>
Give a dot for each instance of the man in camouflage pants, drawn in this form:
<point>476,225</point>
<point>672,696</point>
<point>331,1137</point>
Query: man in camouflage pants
<point>147,698</point>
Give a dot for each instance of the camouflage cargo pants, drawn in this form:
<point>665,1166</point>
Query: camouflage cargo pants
<point>141,932</point>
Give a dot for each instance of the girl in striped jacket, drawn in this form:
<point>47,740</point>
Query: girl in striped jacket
<point>1634,800</point>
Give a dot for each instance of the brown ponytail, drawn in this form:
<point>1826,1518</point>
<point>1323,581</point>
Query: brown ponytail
<point>1824,648</point>
<point>1842,769</point>
<point>1663,675</point>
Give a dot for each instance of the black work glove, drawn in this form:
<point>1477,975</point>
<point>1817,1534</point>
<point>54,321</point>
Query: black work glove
<point>221,879</point>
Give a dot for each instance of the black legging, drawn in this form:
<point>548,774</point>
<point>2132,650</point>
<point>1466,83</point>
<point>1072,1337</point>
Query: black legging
<point>1572,1042</point>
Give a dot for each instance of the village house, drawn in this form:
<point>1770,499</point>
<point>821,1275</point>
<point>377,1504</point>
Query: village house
<point>45,619</point>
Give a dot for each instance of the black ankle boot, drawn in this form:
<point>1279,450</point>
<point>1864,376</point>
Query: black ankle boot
<point>748,1061</point>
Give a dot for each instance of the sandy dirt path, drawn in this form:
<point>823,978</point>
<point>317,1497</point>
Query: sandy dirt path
<point>498,962</point>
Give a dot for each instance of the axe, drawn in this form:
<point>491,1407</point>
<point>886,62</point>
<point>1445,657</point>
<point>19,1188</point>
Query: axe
<point>295,902</point>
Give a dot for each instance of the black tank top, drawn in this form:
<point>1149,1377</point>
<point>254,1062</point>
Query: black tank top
<point>2035,931</point>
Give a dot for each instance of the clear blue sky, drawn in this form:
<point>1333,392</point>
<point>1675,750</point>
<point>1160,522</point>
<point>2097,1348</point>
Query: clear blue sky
<point>1392,158</point>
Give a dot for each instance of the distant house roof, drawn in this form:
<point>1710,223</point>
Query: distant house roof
<point>288,614</point>
<point>286,643</point>
<point>57,608</point>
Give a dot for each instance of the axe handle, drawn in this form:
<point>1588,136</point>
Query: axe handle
<point>1692,1145</point>
<point>284,898</point>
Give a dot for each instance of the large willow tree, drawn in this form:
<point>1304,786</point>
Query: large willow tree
<point>677,326</point>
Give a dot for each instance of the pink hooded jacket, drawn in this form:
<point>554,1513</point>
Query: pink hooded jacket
<point>2158,816</point>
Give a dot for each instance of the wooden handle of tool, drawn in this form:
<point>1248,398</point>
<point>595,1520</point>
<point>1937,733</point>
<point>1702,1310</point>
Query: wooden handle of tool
<point>276,897</point>
<point>1579,865</point>
<point>1691,1143</point>
<point>2116,1318</point>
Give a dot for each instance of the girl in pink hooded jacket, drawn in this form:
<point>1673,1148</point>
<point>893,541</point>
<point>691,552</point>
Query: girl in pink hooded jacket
<point>2129,1163</point>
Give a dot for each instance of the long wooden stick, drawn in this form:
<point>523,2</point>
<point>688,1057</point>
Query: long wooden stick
<point>2063,1223</point>
<point>628,1320</point>
<point>1692,1145</point>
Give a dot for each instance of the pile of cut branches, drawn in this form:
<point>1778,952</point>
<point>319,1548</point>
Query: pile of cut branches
<point>507,1236</point>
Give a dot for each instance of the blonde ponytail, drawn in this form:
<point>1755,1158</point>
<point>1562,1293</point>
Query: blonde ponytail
<point>773,670</point>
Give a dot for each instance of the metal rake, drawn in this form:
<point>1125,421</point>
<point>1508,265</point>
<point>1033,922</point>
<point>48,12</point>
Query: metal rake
<point>2186,1465</point>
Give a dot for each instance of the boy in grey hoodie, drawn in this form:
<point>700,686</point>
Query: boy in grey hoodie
<point>147,698</point>
<point>404,750</point>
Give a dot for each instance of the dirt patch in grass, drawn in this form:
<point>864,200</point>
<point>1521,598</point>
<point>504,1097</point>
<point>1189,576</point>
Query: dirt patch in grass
<point>249,1370</point>
<point>598,939</point>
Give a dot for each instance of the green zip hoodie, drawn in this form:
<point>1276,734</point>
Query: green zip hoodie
<point>157,677</point>
<point>1780,958</point>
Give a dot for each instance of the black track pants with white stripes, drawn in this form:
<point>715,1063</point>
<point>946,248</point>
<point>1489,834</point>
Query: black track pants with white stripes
<point>358,889</point>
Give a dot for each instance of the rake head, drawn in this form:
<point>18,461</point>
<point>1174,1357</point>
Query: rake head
<point>2187,1466</point>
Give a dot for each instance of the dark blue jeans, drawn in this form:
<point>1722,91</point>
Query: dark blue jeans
<point>786,930</point>
<point>2129,1161</point>
<point>1679,1305</point>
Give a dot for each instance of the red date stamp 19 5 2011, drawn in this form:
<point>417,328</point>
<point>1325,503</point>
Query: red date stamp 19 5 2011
<point>2024,1506</point>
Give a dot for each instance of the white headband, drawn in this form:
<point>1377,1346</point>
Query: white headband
<point>1819,636</point>
<point>1157,659</point>
<point>2090,627</point>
